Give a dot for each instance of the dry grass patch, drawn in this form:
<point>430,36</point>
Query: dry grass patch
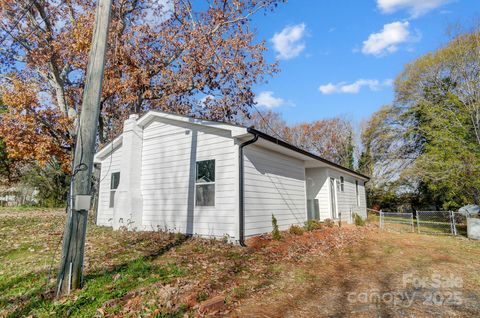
<point>320,286</point>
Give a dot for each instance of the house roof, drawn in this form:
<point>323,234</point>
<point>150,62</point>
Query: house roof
<point>303,152</point>
<point>237,131</point>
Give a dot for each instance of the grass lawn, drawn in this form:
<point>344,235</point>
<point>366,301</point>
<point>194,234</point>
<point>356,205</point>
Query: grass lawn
<point>327,272</point>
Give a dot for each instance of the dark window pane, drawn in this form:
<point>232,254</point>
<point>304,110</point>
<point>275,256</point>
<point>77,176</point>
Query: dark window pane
<point>112,199</point>
<point>115,180</point>
<point>205,195</point>
<point>205,171</point>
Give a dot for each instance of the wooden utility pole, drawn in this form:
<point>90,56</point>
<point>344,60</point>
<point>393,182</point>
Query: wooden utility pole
<point>71,266</point>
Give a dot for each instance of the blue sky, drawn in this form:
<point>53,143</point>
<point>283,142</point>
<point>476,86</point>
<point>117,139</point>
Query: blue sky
<point>340,57</point>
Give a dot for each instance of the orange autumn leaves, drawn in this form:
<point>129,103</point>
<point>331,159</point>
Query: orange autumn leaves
<point>169,65</point>
<point>32,131</point>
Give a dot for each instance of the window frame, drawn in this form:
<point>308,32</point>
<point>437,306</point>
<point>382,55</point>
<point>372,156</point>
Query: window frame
<point>111,202</point>
<point>342,184</point>
<point>197,184</point>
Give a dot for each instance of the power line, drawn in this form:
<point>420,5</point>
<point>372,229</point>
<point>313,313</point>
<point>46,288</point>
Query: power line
<point>48,16</point>
<point>41,22</point>
<point>266,122</point>
<point>17,22</point>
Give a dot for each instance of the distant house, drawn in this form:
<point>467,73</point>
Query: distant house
<point>18,195</point>
<point>210,178</point>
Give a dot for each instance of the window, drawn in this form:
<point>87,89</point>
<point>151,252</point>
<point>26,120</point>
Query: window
<point>114,181</point>
<point>357,193</point>
<point>342,184</point>
<point>205,183</point>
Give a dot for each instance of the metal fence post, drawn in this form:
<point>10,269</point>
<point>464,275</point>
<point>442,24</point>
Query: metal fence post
<point>452,231</point>
<point>413,226</point>
<point>454,225</point>
<point>381,219</point>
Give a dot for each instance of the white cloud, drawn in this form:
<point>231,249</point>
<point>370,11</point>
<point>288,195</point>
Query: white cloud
<point>156,12</point>
<point>288,43</point>
<point>388,82</point>
<point>353,88</point>
<point>328,88</point>
<point>415,7</point>
<point>266,99</point>
<point>387,40</point>
<point>205,100</point>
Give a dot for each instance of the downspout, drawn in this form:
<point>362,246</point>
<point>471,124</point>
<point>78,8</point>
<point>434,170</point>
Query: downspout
<point>241,196</point>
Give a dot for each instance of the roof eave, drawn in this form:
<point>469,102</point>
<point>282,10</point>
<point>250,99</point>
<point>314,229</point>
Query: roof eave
<point>107,149</point>
<point>304,152</point>
<point>236,131</point>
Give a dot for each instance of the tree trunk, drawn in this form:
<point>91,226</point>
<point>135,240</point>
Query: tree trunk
<point>57,83</point>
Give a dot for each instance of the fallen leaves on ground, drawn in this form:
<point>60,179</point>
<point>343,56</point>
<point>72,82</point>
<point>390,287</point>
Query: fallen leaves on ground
<point>159,274</point>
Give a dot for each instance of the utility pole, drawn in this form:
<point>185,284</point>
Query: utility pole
<point>71,266</point>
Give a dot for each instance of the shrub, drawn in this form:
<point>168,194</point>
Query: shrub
<point>311,225</point>
<point>275,231</point>
<point>296,230</point>
<point>50,181</point>
<point>328,223</point>
<point>359,221</point>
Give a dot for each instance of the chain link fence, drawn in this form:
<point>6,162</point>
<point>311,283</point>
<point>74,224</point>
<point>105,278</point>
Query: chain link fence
<point>460,223</point>
<point>396,221</point>
<point>436,222</point>
<point>424,222</point>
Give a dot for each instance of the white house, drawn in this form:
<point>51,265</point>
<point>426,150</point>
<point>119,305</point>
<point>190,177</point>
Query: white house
<point>210,178</point>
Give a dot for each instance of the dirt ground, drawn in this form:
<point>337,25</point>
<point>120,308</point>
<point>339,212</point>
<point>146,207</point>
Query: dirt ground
<point>388,275</point>
<point>335,271</point>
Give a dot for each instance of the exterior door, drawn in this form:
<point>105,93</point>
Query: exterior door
<point>333,199</point>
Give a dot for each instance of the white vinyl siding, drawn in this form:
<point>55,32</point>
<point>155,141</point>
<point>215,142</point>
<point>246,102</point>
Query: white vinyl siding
<point>274,184</point>
<point>317,188</point>
<point>347,199</point>
<point>170,153</point>
<point>158,187</point>
<point>109,165</point>
<point>362,208</point>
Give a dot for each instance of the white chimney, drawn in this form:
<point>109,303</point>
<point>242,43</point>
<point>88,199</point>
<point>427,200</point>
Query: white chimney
<point>128,205</point>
